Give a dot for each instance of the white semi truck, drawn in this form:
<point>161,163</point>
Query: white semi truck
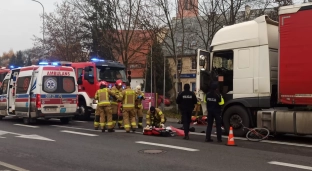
<point>263,68</point>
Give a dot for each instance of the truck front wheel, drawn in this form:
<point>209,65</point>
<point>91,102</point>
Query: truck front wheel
<point>232,117</point>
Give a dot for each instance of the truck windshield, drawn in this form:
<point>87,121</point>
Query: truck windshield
<point>110,74</point>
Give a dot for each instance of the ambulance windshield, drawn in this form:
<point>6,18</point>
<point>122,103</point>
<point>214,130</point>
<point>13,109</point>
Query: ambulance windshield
<point>110,74</point>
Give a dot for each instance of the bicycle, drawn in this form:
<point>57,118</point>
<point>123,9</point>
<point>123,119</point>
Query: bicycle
<point>256,134</point>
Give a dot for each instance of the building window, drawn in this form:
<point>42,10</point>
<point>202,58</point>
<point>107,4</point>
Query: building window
<point>193,43</point>
<point>136,66</point>
<point>179,65</point>
<point>179,44</point>
<point>194,64</point>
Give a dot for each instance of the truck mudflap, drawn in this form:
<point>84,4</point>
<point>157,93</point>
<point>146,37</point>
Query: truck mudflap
<point>283,121</point>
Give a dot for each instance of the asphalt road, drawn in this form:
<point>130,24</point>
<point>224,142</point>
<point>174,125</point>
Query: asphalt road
<point>51,146</point>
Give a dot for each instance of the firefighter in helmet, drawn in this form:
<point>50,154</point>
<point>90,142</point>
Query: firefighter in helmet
<point>128,105</point>
<point>138,105</point>
<point>103,109</point>
<point>116,90</point>
<point>155,118</point>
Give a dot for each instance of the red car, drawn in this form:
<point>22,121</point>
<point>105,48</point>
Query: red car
<point>167,100</point>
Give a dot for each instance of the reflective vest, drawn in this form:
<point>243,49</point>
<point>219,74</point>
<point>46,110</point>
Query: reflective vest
<point>129,99</point>
<point>220,103</point>
<point>117,93</point>
<point>102,96</point>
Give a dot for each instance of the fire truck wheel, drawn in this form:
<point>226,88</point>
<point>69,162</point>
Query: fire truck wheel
<point>232,117</point>
<point>65,120</point>
<point>84,113</point>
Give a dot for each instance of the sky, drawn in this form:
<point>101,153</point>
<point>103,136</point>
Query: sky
<point>20,21</point>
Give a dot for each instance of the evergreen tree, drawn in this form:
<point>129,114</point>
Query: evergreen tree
<point>158,71</point>
<point>19,59</point>
<point>12,61</point>
<point>100,30</point>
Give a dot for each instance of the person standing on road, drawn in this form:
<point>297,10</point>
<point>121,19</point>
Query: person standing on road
<point>128,105</point>
<point>103,109</point>
<point>117,89</point>
<point>214,101</point>
<point>138,105</point>
<point>186,101</point>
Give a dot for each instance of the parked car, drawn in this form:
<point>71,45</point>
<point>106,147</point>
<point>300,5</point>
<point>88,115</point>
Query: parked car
<point>167,101</point>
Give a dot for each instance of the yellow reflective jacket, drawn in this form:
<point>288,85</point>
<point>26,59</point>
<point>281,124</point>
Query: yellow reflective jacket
<point>159,116</point>
<point>138,101</point>
<point>117,95</point>
<point>128,98</point>
<point>102,96</point>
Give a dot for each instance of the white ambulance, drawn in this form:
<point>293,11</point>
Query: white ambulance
<point>39,91</point>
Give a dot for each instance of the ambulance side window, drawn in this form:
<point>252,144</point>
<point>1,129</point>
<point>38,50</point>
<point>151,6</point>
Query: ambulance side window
<point>22,85</point>
<point>4,86</point>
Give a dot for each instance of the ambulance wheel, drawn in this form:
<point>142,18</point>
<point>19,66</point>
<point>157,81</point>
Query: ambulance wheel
<point>65,120</point>
<point>28,121</point>
<point>1,117</point>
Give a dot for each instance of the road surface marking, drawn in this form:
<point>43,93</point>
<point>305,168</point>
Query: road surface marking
<point>33,136</point>
<point>168,146</point>
<point>70,127</point>
<point>79,133</point>
<point>81,121</point>
<point>30,126</point>
<point>12,166</point>
<point>263,141</point>
<point>290,165</point>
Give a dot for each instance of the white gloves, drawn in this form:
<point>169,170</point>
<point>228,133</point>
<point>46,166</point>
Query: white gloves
<point>147,127</point>
<point>162,126</point>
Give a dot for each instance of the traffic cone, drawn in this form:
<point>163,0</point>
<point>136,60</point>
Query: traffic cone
<point>231,138</point>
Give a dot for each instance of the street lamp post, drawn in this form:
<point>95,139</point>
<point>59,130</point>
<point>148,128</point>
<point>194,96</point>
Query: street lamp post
<point>42,23</point>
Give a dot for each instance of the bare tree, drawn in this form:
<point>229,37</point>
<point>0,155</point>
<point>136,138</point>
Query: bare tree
<point>132,41</point>
<point>64,33</point>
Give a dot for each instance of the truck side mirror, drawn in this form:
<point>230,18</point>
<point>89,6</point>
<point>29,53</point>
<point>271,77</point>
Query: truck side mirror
<point>79,81</point>
<point>202,60</point>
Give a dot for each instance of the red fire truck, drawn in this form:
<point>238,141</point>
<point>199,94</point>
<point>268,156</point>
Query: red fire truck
<point>89,74</point>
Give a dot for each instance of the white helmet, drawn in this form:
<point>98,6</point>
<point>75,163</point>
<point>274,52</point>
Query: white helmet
<point>138,88</point>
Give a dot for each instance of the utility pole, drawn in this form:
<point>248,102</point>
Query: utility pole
<point>42,26</point>
<point>164,87</point>
<point>151,75</point>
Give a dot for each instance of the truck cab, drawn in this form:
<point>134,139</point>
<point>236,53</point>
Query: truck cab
<point>260,83</point>
<point>89,75</point>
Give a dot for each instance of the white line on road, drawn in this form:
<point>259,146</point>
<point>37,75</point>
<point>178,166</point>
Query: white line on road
<point>27,125</point>
<point>70,127</point>
<point>79,133</point>
<point>290,165</point>
<point>12,166</point>
<point>81,121</point>
<point>168,146</point>
<point>263,141</point>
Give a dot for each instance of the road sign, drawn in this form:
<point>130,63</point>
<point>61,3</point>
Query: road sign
<point>32,136</point>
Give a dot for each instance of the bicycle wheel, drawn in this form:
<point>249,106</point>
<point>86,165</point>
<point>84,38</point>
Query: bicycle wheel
<point>257,134</point>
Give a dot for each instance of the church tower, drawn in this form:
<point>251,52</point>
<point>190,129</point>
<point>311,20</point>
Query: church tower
<point>187,8</point>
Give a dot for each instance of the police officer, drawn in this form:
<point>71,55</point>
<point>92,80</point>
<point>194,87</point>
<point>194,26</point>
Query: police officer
<point>103,109</point>
<point>128,106</point>
<point>214,102</point>
<point>186,101</point>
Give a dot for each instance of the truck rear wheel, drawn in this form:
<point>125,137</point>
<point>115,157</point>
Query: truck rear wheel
<point>28,121</point>
<point>84,112</point>
<point>232,117</point>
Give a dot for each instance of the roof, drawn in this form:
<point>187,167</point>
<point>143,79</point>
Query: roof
<point>260,31</point>
<point>294,8</point>
<point>138,50</point>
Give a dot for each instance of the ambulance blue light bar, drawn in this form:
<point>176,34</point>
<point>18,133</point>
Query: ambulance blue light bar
<point>97,60</point>
<point>56,63</point>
